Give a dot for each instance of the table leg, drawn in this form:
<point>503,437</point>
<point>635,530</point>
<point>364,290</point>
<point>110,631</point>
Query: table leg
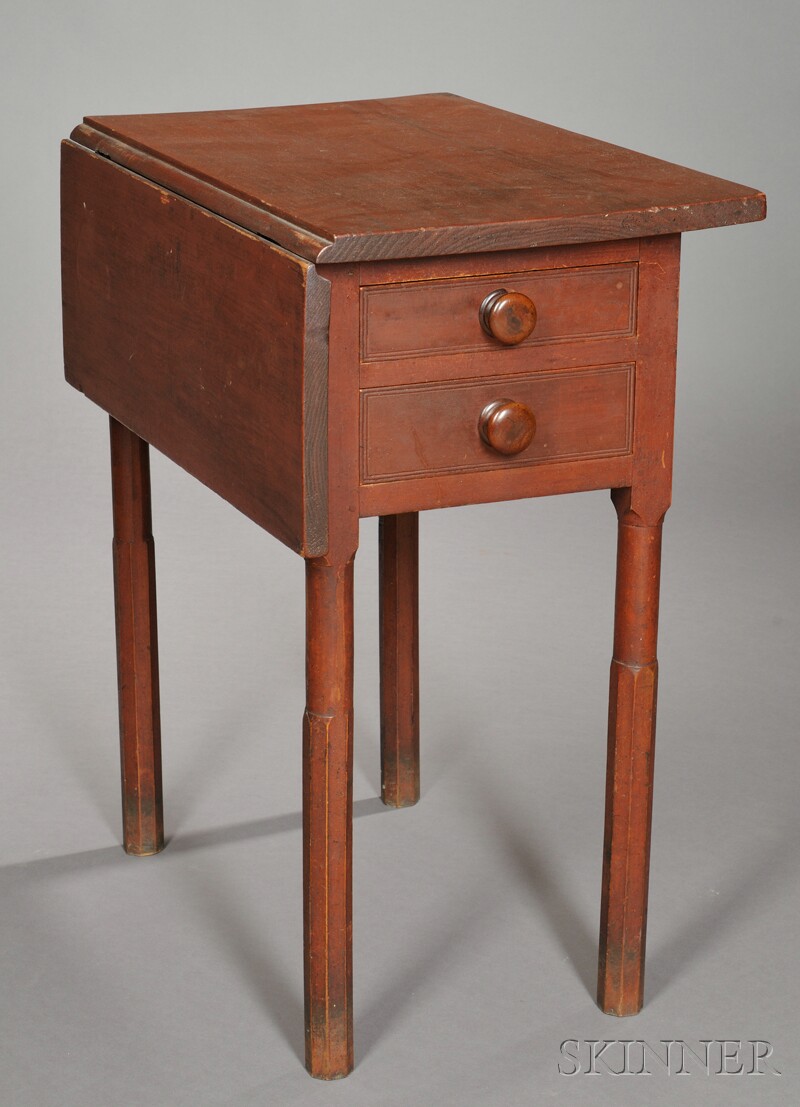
<point>398,538</point>
<point>137,644</point>
<point>328,818</point>
<point>629,781</point>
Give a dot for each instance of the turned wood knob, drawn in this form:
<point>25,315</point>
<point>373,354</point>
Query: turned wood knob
<point>507,426</point>
<point>508,316</point>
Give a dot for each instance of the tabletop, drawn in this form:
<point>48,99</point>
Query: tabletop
<point>414,176</point>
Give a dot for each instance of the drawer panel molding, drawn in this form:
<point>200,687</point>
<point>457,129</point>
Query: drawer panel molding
<point>422,318</point>
<point>433,429</point>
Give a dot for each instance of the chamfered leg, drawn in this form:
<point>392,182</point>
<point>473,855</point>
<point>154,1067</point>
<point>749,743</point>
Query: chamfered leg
<point>398,544</point>
<point>328,818</point>
<point>629,779</point>
<point>137,644</point>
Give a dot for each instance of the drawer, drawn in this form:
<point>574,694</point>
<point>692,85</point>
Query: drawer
<point>430,317</point>
<point>440,427</point>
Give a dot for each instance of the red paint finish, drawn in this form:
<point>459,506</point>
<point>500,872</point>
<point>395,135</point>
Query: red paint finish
<point>304,308</point>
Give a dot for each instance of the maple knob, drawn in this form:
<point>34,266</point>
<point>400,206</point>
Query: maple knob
<point>508,316</point>
<point>507,426</point>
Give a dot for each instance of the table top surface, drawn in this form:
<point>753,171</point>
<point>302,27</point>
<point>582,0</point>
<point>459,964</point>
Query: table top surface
<point>414,176</point>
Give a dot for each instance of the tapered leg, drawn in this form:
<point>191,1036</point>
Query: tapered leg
<point>137,644</point>
<point>328,819</point>
<point>629,781</point>
<point>398,537</point>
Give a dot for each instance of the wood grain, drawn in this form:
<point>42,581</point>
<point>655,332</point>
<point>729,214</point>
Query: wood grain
<point>634,669</point>
<point>206,341</point>
<point>287,302</point>
<point>654,435</point>
<point>631,752</point>
<point>342,181</point>
<point>137,644</point>
<point>478,486</point>
<point>328,819</point>
<point>599,327</point>
<point>507,426</point>
<point>443,316</point>
<point>434,428</point>
<point>343,412</point>
<point>509,317</point>
<point>398,552</point>
<point>328,720</point>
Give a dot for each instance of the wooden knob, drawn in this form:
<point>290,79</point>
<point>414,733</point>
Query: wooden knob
<point>508,316</point>
<point>507,426</point>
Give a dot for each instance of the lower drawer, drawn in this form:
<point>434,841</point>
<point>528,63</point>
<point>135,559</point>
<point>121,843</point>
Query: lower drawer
<point>432,429</point>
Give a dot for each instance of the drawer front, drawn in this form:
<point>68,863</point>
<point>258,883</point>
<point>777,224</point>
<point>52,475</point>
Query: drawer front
<point>429,317</point>
<point>434,429</point>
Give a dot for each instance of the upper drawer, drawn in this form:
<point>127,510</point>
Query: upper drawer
<point>420,318</point>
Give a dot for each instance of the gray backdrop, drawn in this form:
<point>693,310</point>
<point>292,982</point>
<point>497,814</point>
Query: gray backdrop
<point>178,980</point>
